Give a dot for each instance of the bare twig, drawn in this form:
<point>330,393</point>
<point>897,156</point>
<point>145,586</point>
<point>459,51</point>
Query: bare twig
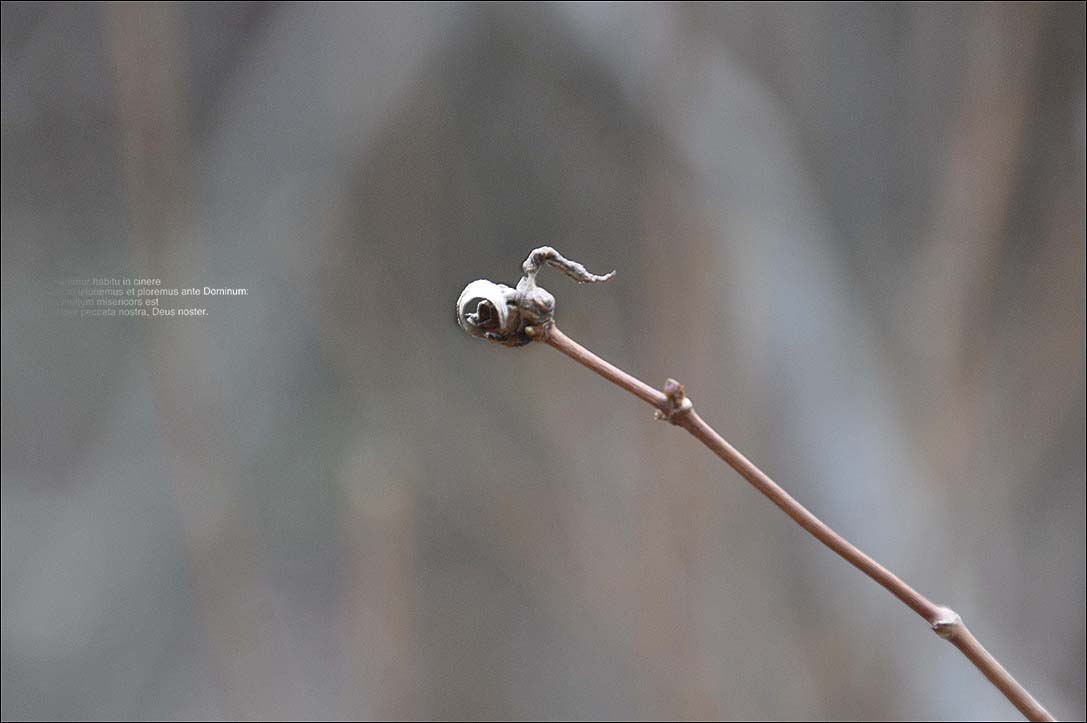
<point>537,324</point>
<point>676,408</point>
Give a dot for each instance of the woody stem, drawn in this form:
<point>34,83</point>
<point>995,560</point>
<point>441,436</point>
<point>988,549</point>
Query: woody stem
<point>674,407</point>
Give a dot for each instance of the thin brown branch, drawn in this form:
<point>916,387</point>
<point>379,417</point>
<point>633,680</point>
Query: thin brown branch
<point>673,405</point>
<point>515,317</point>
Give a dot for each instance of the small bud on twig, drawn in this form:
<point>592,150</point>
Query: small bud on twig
<point>677,402</point>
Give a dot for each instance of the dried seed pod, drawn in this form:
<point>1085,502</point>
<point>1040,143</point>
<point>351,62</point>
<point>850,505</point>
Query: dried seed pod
<point>492,313</point>
<point>501,314</point>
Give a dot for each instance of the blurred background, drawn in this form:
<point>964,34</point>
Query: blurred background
<point>855,232</point>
